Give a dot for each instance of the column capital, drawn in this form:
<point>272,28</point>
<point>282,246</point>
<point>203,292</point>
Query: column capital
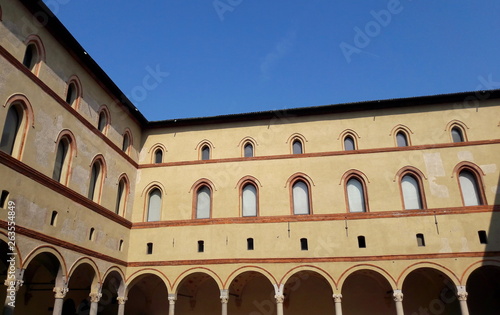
<point>224,296</point>
<point>280,298</point>
<point>172,298</point>
<point>60,292</point>
<point>121,300</point>
<point>461,293</point>
<point>337,298</point>
<point>95,297</point>
<point>13,284</point>
<point>398,296</point>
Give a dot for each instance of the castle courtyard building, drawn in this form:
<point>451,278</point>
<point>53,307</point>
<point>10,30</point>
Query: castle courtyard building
<point>378,207</point>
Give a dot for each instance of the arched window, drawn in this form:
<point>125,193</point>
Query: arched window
<point>401,139</point>
<point>249,200</point>
<point>71,93</point>
<point>31,57</point>
<point>248,150</point>
<point>103,121</point>
<point>203,203</point>
<point>356,195</point>
<point>457,134</point>
<point>127,141</point>
<point>349,143</point>
<point>121,196</point>
<point>158,156</point>
<point>412,196</point>
<point>297,147</point>
<point>301,202</point>
<point>469,185</point>
<point>11,129</point>
<point>154,205</point>
<point>205,152</point>
<point>96,179</point>
<point>62,161</point>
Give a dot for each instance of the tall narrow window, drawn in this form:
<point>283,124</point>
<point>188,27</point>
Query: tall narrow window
<point>205,153</point>
<point>297,147</point>
<point>95,181</point>
<point>92,234</point>
<point>248,150</point>
<point>420,240</point>
<point>3,198</point>
<point>301,203</point>
<point>201,246</point>
<point>483,238</point>
<point>361,241</point>
<point>71,94</point>
<point>412,196</point>
<point>203,203</point>
<point>102,122</point>
<point>356,195</point>
<point>121,196</point>
<point>31,57</point>
<point>120,246</point>
<point>401,139</point>
<point>62,161</point>
<point>149,248</point>
<point>349,143</point>
<point>154,205</point>
<point>470,189</point>
<point>53,218</point>
<point>158,156</point>
<point>249,200</point>
<point>10,130</point>
<point>303,244</point>
<point>457,135</point>
<point>249,243</point>
<point>126,142</point>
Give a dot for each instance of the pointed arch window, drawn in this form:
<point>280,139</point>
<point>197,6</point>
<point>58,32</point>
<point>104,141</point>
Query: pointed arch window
<point>71,93</point>
<point>301,201</point>
<point>248,150</point>
<point>297,147</point>
<point>356,197</point>
<point>121,196</point>
<point>154,205</point>
<point>62,161</point>
<point>102,122</point>
<point>401,139</point>
<point>349,143</point>
<point>412,195</point>
<point>96,180</point>
<point>11,129</point>
<point>203,202</point>
<point>205,152</point>
<point>457,134</point>
<point>127,141</point>
<point>249,200</point>
<point>158,156</point>
<point>471,191</point>
<point>31,57</point>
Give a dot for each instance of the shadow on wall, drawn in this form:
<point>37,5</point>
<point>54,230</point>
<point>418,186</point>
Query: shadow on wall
<point>483,284</point>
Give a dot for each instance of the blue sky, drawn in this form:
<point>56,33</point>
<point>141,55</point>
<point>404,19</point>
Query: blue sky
<point>235,56</point>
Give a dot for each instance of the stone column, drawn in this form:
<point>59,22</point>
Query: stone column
<point>398,298</point>
<point>171,304</point>
<point>13,286</point>
<point>462,298</point>
<point>224,298</point>
<point>94,302</point>
<point>121,304</point>
<point>280,298</point>
<point>60,293</point>
<point>337,298</point>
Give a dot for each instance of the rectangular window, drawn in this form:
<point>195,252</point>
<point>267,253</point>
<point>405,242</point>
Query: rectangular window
<point>201,246</point>
<point>483,238</point>
<point>149,249</point>
<point>420,240</point>
<point>361,242</point>
<point>303,244</point>
<point>250,243</point>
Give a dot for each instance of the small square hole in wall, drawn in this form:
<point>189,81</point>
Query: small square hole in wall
<point>303,244</point>
<point>201,246</point>
<point>483,237</point>
<point>149,249</point>
<point>420,240</point>
<point>361,242</point>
